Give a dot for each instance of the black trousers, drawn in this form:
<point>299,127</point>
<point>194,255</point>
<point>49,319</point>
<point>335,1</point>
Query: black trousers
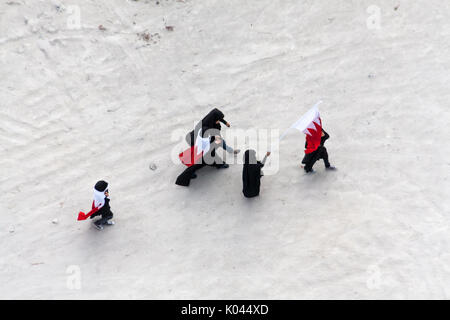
<point>312,158</point>
<point>105,217</point>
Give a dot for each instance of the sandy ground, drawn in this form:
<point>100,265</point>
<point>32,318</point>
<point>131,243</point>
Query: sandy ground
<point>79,104</point>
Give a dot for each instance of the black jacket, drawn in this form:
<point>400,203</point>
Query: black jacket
<point>104,211</point>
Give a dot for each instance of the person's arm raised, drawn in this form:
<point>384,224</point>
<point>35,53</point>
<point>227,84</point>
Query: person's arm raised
<point>265,158</point>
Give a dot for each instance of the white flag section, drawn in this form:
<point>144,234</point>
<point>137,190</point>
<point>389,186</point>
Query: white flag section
<point>202,144</point>
<point>306,121</point>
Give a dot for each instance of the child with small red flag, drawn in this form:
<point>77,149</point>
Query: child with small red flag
<point>100,206</point>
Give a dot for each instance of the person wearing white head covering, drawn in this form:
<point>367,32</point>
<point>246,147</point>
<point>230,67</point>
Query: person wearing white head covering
<point>101,203</point>
<point>99,198</point>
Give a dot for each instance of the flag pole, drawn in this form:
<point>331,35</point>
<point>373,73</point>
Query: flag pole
<point>284,134</point>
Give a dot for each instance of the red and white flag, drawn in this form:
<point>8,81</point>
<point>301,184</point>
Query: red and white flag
<point>97,204</point>
<point>311,125</point>
<point>194,154</point>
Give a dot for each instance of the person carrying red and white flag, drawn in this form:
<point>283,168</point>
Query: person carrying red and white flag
<point>100,206</point>
<point>194,154</point>
<point>311,125</point>
<point>202,153</point>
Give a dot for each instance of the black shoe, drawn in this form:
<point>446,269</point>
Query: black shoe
<point>310,171</point>
<point>331,168</point>
<point>224,166</point>
<point>194,176</point>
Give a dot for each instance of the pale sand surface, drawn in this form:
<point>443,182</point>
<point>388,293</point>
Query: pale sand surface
<point>79,105</point>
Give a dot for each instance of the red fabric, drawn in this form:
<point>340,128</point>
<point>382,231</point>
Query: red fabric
<point>190,157</point>
<point>313,140</point>
<point>84,216</point>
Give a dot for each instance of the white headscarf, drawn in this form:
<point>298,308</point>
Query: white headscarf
<point>202,144</point>
<point>99,198</point>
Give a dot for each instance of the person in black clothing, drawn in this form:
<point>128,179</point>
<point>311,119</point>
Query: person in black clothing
<point>211,124</point>
<point>208,159</point>
<point>213,119</point>
<point>251,175</point>
<point>321,153</point>
<point>101,199</point>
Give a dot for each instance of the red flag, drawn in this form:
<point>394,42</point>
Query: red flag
<point>84,216</point>
<point>194,154</point>
<point>311,125</point>
<point>190,156</point>
<point>313,136</point>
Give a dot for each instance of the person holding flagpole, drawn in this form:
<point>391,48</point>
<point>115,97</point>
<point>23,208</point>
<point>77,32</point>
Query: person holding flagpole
<point>312,156</point>
<point>311,125</point>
